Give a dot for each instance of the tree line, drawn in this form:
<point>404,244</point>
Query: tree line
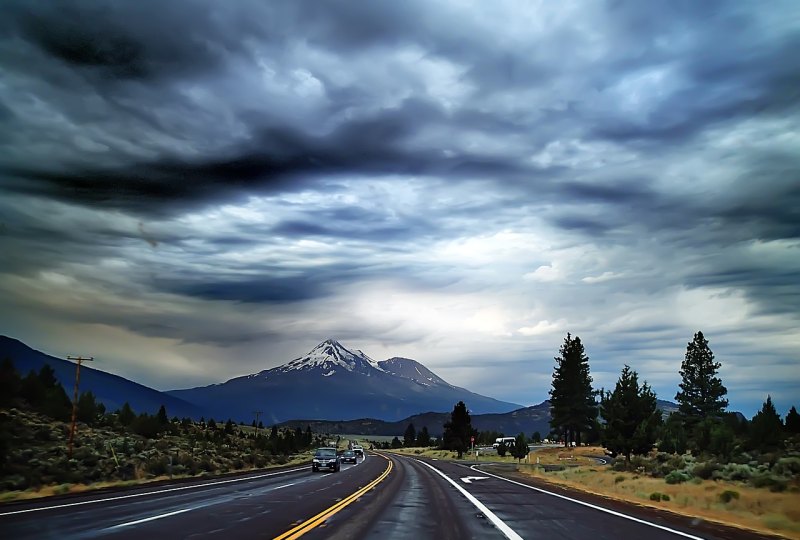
<point>627,420</point>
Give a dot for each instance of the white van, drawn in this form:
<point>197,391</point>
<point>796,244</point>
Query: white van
<point>510,441</point>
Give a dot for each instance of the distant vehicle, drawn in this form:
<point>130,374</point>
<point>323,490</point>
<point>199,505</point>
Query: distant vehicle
<point>326,458</point>
<point>359,451</point>
<point>508,440</point>
<point>349,456</point>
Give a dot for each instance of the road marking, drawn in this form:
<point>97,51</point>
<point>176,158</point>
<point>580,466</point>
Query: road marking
<point>133,495</point>
<point>590,505</point>
<point>470,479</point>
<point>151,518</point>
<point>499,523</point>
<point>319,519</point>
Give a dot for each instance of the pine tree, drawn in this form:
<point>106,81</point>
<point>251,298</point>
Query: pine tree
<point>126,415</point>
<point>502,448</point>
<point>162,416</point>
<point>396,443</point>
<point>701,392</point>
<point>424,438</point>
<point>10,383</point>
<point>458,430</point>
<point>632,418</point>
<point>793,422</point>
<point>520,448</point>
<point>410,436</point>
<point>87,408</point>
<point>572,403</point>
<point>672,438</point>
<point>766,428</point>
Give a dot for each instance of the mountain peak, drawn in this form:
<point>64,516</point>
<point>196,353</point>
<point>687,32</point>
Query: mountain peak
<point>330,356</point>
<point>411,369</point>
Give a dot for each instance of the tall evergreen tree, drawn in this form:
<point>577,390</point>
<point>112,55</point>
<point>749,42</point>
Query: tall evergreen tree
<point>766,428</point>
<point>424,438</point>
<point>87,408</point>
<point>10,383</point>
<point>701,392</point>
<point>793,422</point>
<point>572,403</point>
<point>632,418</point>
<point>410,436</point>
<point>162,416</point>
<point>458,430</point>
<point>126,415</point>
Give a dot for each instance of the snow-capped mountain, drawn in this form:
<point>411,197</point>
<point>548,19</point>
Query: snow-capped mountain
<point>411,369</point>
<point>329,356</point>
<point>333,382</point>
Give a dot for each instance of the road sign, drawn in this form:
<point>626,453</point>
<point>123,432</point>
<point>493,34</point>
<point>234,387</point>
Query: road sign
<point>472,439</point>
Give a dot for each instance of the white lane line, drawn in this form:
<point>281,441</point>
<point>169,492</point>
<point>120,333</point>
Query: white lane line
<point>590,505</point>
<point>176,512</point>
<point>151,518</point>
<point>499,523</point>
<point>131,496</point>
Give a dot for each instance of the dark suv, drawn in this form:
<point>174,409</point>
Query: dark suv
<point>349,457</point>
<point>326,459</point>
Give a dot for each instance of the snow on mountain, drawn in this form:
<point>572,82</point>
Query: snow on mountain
<point>333,382</point>
<point>329,356</point>
<point>411,369</point>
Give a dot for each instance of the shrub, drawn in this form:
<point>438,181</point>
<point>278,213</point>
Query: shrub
<point>705,470</point>
<point>619,479</point>
<point>676,477</point>
<point>787,466</point>
<point>664,497</point>
<point>656,496</point>
<point>736,472</point>
<point>766,480</point>
<point>728,495</point>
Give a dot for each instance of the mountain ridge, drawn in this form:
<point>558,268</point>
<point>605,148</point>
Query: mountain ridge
<point>332,381</point>
<point>109,389</point>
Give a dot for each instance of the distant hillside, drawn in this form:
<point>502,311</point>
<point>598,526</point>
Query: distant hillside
<point>525,420</point>
<point>111,390</point>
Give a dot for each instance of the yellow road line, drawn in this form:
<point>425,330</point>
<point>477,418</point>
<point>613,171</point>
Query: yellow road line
<point>320,518</point>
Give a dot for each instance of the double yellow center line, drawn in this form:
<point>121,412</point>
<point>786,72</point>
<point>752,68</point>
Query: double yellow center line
<point>320,518</point>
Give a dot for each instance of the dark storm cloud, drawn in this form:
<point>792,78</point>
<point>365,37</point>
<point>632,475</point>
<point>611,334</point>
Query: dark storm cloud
<point>190,170</point>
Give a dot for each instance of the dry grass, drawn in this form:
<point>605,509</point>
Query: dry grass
<point>141,478</point>
<point>755,509</point>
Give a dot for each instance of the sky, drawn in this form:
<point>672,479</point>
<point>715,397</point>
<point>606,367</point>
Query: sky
<point>196,190</point>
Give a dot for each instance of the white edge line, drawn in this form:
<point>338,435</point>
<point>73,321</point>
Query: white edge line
<point>499,523</point>
<point>151,518</point>
<point>594,506</point>
<point>180,488</point>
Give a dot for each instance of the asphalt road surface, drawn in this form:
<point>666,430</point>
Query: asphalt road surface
<point>383,496</point>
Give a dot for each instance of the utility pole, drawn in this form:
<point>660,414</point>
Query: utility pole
<point>78,360</point>
<point>257,413</point>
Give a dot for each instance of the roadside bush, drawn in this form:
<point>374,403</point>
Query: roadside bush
<point>619,479</point>
<point>736,472</point>
<point>787,466</point>
<point>728,495</point>
<point>774,483</point>
<point>706,470</point>
<point>656,496</point>
<point>677,477</point>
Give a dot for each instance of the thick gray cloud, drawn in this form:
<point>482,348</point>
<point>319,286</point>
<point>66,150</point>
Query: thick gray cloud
<point>462,183</point>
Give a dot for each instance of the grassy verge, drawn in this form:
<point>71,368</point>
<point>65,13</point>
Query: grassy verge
<point>63,489</point>
<point>731,503</point>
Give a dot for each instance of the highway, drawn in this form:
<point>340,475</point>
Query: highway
<point>384,496</point>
